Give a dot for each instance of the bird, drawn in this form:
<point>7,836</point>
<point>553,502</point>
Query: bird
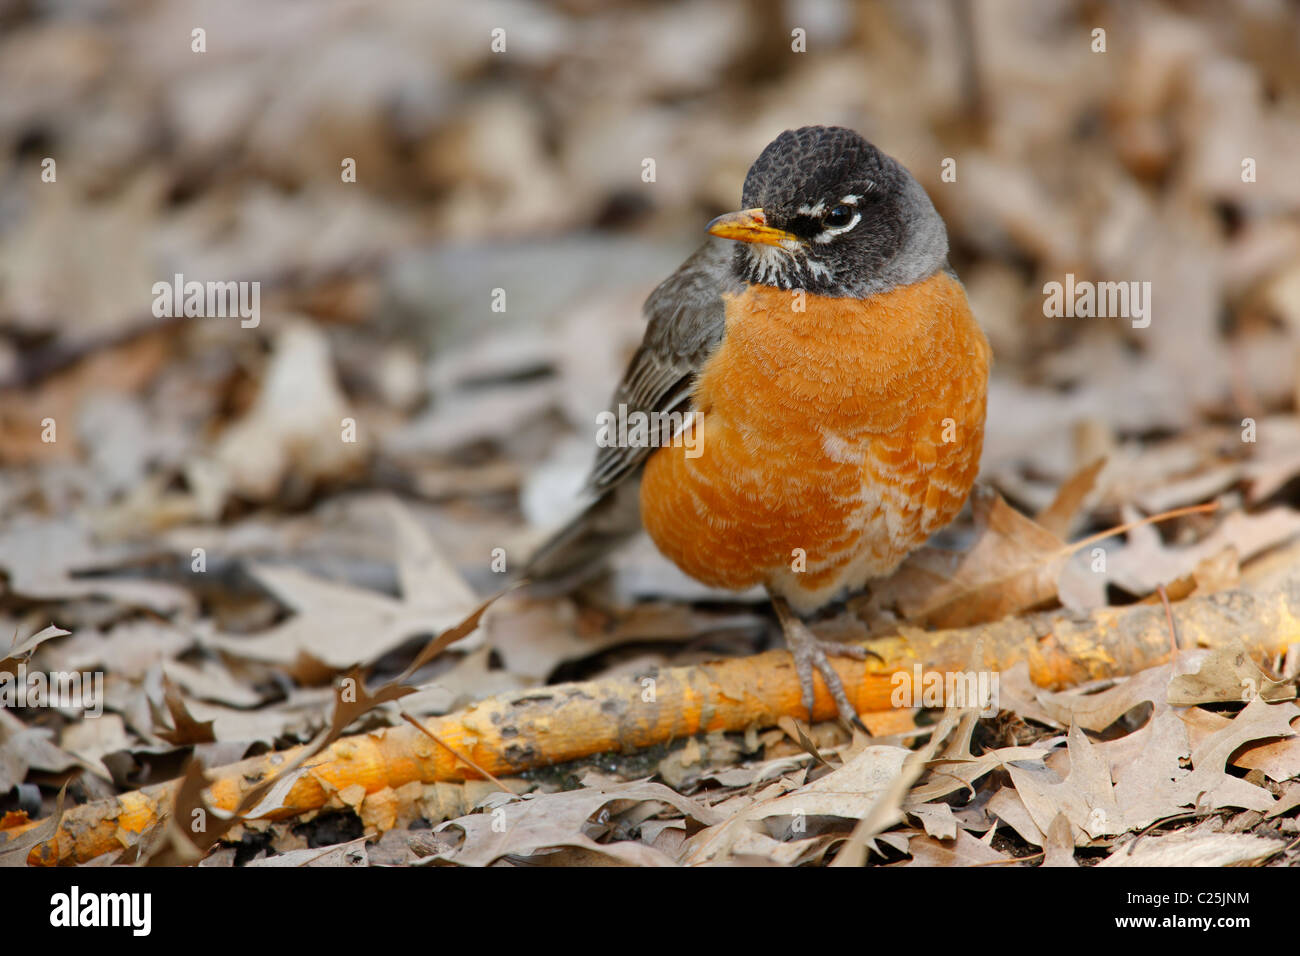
<point>829,381</point>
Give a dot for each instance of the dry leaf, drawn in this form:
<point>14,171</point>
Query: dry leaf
<point>1228,674</point>
<point>534,824</point>
<point>1184,849</point>
<point>1085,797</point>
<point>965,850</point>
<point>1011,567</point>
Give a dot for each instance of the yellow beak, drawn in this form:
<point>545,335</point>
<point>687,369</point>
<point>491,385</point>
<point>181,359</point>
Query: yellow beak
<point>749,225</point>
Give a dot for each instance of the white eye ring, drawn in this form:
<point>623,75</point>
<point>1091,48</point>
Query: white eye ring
<point>830,232</point>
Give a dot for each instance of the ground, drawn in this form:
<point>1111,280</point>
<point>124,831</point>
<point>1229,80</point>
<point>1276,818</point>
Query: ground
<point>215,518</point>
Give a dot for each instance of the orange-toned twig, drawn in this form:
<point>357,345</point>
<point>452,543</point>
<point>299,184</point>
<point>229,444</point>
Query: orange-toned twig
<point>516,732</point>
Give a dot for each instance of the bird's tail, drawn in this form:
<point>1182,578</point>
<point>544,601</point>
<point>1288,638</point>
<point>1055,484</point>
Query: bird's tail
<point>579,550</point>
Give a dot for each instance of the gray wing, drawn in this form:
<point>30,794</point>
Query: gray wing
<point>686,323</point>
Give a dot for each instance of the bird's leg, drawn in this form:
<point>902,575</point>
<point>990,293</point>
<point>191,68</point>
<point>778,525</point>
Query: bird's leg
<point>810,651</point>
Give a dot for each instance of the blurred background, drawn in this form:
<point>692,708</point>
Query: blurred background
<point>469,300</point>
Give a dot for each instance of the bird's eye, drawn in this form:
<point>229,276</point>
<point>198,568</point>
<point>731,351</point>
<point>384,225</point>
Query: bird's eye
<point>841,215</point>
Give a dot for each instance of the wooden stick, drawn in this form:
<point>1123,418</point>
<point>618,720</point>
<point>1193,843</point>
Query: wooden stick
<point>511,733</point>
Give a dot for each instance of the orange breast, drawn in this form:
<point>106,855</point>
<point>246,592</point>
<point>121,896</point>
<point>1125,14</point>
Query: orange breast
<point>835,439</point>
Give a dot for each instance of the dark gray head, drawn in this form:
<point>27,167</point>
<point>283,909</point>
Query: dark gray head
<point>827,212</point>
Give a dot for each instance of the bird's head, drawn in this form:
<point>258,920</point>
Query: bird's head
<point>827,212</point>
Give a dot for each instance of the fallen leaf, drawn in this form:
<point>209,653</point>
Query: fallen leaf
<point>1208,785</point>
<point>1011,567</point>
<point>1227,674</point>
<point>1058,847</point>
<point>1145,562</point>
<point>965,850</point>
<point>1150,786</point>
<point>185,729</point>
<point>937,819</point>
<point>1085,797</point>
<point>1181,849</point>
<point>1058,517</point>
<point>296,424</point>
<point>536,823</point>
<point>1007,805</point>
<point>339,625</point>
<point>28,644</point>
<point>848,792</point>
<point>351,854</point>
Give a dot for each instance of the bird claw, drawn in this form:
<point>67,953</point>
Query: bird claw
<point>810,652</point>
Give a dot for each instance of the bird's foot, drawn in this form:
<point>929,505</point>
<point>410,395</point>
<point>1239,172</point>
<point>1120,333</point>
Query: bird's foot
<point>809,652</point>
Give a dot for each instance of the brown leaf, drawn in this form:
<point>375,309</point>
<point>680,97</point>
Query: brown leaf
<point>849,792</point>
<point>23,648</point>
<point>1146,562</point>
<point>1009,808</point>
<point>1011,567</point>
<point>1098,710</point>
<point>339,624</point>
<point>1060,514</point>
<point>937,819</point>
<point>1188,849</point>
<point>965,850</point>
<point>184,835</point>
<point>1148,787</point>
<point>1085,797</point>
<point>1208,785</point>
<point>1058,848</point>
<point>350,854</point>
<point>1278,759</point>
<point>185,729</point>
<point>15,847</point>
<point>529,825</point>
<point>1227,674</point>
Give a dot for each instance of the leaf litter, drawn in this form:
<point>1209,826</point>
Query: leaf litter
<point>200,534</point>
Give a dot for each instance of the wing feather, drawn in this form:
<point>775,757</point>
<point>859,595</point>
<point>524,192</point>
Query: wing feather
<point>686,321</point>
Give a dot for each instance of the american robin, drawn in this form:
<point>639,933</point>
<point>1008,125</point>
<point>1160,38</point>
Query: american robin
<point>839,379</point>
